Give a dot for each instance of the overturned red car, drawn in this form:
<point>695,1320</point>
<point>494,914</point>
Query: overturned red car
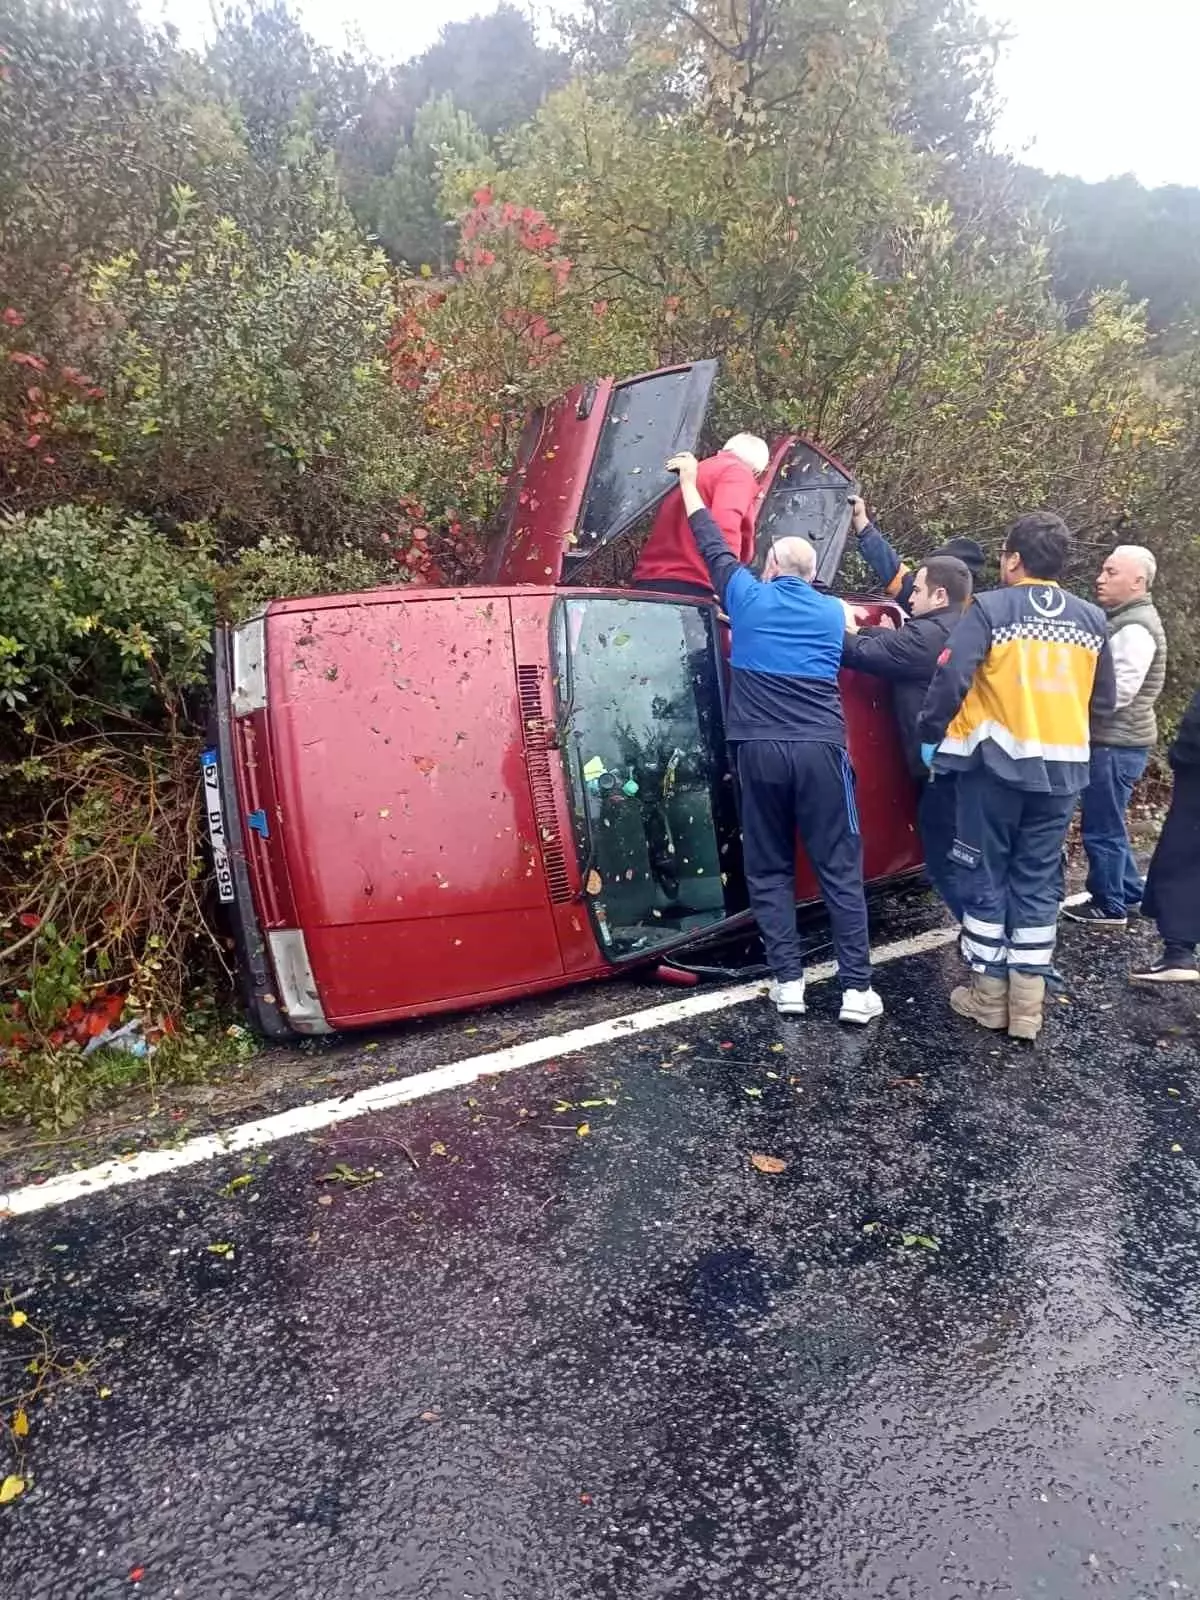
<point>423,799</point>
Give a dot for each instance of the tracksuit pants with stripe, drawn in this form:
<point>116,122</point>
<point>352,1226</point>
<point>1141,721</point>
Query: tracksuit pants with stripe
<point>1008,849</point>
<point>807,789</point>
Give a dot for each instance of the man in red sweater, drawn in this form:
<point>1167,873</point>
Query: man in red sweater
<point>728,484</point>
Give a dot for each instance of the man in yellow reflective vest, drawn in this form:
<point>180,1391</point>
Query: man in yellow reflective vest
<point>1008,712</point>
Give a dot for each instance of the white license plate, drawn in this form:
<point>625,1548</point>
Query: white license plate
<point>216,826</point>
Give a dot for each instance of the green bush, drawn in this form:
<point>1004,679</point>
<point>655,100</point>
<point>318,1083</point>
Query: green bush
<point>100,612</point>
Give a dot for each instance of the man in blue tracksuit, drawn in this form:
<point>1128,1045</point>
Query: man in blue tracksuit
<point>785,721</point>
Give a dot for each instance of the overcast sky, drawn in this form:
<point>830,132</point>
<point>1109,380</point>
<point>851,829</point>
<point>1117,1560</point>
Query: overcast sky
<point>1093,87</point>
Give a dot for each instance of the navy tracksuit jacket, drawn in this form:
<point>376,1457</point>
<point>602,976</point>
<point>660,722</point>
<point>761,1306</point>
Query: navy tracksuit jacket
<point>785,720</point>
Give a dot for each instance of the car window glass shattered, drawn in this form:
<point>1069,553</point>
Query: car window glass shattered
<point>644,751</point>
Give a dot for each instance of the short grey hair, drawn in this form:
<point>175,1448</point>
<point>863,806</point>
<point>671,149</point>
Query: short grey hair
<point>795,557</point>
<point>1143,557</point>
<point>750,450</point>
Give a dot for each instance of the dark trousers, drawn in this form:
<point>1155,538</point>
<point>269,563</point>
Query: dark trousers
<point>806,789</point>
<point>1008,849</point>
<point>937,820</point>
<point>1173,883</point>
<point>1114,881</point>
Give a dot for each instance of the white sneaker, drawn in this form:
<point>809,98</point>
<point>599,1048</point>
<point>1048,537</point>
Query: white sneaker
<point>788,998</point>
<point>860,1005</point>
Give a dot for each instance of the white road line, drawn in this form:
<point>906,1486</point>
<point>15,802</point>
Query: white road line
<point>145,1164</point>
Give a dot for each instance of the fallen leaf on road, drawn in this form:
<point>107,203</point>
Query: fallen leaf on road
<point>778,1049</point>
<point>907,1083</point>
<point>344,1174</point>
<point>18,1319</point>
<point>583,1130</point>
<point>136,1574</point>
<point>1176,1149</point>
<point>325,1200</point>
<point>589,1104</point>
<point>104,1392</point>
<point>221,1248</point>
<point>20,1425</point>
<point>240,1182</point>
<point>755,1094</point>
<point>11,1488</point>
<point>768,1163</point>
<point>437,1148</point>
<point>431,1416</point>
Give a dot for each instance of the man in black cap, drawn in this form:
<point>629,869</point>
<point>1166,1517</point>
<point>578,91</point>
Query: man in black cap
<point>895,577</point>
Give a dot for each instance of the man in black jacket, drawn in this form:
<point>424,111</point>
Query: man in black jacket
<point>908,657</point>
<point>1172,895</point>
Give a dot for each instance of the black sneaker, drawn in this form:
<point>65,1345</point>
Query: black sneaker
<point>1090,914</point>
<point>1171,967</point>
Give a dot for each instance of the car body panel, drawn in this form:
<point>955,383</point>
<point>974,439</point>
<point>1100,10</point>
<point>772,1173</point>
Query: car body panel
<point>404,801</point>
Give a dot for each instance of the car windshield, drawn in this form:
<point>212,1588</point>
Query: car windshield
<point>643,737</point>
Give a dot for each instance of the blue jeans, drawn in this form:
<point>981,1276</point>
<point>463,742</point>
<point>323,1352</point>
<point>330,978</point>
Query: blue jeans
<point>936,820</point>
<point>1114,881</point>
<point>1008,848</point>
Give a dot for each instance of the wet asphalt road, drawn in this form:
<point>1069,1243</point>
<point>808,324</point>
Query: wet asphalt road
<point>623,1365</point>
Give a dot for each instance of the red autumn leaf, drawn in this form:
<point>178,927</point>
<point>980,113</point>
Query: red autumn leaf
<point>33,441</point>
<point>27,919</point>
<point>482,197</point>
<point>136,1574</point>
<point>13,317</point>
<point>22,358</point>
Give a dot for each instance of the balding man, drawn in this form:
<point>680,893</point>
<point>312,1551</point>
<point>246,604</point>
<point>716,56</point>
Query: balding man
<point>728,484</point>
<point>1122,738</point>
<point>785,721</point>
